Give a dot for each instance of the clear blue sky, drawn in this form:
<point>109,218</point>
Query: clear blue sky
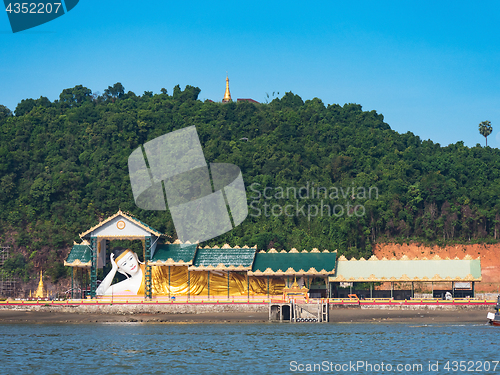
<point>432,68</point>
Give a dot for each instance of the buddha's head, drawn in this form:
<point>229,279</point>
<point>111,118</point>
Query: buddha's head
<point>126,260</point>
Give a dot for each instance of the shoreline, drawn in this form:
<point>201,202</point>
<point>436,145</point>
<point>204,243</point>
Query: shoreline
<point>256,315</point>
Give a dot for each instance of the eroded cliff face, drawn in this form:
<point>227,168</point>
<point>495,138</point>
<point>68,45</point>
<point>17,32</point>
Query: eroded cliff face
<point>489,254</point>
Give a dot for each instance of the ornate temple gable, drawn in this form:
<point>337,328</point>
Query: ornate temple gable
<point>121,225</point>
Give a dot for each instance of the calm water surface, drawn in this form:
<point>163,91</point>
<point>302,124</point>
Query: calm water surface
<point>140,348</point>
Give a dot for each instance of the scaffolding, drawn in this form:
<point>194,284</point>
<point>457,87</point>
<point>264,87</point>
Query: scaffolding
<point>8,283</point>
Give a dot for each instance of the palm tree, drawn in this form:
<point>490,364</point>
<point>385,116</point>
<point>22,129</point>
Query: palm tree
<point>485,129</point>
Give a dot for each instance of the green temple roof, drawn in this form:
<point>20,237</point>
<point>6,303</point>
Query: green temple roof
<point>294,263</point>
<point>224,259</point>
<point>174,254</point>
<point>79,256</point>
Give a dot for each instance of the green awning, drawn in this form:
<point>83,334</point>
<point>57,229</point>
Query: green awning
<point>405,269</point>
<point>294,263</point>
<point>174,255</point>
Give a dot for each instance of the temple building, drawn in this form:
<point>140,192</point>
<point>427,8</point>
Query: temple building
<point>184,269</point>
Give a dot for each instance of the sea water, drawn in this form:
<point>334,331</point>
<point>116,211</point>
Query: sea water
<point>273,348</point>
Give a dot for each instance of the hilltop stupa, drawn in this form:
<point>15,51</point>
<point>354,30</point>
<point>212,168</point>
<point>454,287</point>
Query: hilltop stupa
<point>227,94</point>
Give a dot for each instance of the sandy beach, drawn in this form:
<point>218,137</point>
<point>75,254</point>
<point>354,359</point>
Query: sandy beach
<point>336,316</point>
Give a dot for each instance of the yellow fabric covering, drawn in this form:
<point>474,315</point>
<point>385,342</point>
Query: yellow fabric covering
<point>198,283</point>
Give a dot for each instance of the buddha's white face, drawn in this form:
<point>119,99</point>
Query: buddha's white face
<point>128,263</point>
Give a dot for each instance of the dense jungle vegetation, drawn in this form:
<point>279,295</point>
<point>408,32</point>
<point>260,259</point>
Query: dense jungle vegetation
<point>63,167</point>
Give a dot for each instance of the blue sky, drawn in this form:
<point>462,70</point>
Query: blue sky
<point>432,69</point>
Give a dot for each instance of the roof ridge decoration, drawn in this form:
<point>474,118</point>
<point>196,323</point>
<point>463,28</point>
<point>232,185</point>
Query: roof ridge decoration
<point>283,252</point>
<point>326,251</point>
<point>373,257</point>
<point>127,216</point>
<point>315,250</point>
<point>215,247</point>
<point>226,246</point>
<point>294,250</point>
<point>188,242</point>
<point>236,247</point>
<point>304,251</point>
<point>268,271</point>
<point>272,251</point>
<point>394,258</point>
<point>342,258</point>
<point>467,257</point>
<point>384,258</point>
<point>78,263</point>
<point>404,257</point>
<point>245,247</point>
<point>262,252</point>
<point>456,258</point>
<point>436,257</point>
<point>169,262</point>
<point>362,259</point>
<point>207,247</point>
<point>424,258</point>
<point>353,259</point>
<point>176,242</point>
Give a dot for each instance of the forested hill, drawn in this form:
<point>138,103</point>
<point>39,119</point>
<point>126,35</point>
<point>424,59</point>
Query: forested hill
<point>63,167</point>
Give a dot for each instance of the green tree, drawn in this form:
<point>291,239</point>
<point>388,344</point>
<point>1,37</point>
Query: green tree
<point>116,91</point>
<point>485,129</point>
<point>4,112</point>
<point>75,96</point>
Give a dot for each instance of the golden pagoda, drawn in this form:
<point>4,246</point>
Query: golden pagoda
<point>227,95</point>
<point>39,291</point>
